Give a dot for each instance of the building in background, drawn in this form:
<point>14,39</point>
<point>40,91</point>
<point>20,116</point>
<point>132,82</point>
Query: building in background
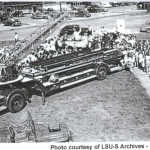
<point>26,7</point>
<point>143,5</point>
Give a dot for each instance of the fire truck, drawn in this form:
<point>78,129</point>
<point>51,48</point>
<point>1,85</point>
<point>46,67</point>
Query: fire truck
<point>46,76</point>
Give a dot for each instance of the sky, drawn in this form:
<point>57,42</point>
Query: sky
<point>103,1</point>
<point>75,0</point>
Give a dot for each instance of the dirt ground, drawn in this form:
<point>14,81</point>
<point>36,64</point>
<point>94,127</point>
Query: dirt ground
<point>115,109</point>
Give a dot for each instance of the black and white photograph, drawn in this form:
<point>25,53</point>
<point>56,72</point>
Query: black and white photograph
<point>74,71</point>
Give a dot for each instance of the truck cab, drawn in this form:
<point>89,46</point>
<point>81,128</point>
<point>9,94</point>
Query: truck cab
<point>12,95</point>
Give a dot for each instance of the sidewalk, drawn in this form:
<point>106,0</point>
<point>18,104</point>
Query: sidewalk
<point>144,78</point>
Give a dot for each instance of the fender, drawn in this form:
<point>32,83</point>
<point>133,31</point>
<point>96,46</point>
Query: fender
<point>36,84</point>
<point>99,64</point>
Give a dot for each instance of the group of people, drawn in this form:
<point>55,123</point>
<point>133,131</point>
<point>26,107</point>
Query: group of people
<point>135,52</point>
<point>56,46</point>
<point>65,44</point>
<point>5,53</point>
<point>8,51</point>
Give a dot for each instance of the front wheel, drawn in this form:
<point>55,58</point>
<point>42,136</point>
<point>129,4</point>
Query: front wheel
<point>16,103</point>
<point>101,73</point>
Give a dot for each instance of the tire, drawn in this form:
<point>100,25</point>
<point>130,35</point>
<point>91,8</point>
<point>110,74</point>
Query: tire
<point>16,103</point>
<point>148,30</point>
<point>101,73</point>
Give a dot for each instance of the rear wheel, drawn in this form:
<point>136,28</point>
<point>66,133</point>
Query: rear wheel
<point>101,73</point>
<point>16,102</point>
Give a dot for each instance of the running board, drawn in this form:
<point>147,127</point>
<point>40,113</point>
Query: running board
<point>118,68</point>
<point>78,81</point>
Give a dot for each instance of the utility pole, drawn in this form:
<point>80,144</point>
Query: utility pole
<point>60,7</point>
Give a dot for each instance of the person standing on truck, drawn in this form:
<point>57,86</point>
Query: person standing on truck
<point>90,30</point>
<point>89,34</point>
<point>76,34</point>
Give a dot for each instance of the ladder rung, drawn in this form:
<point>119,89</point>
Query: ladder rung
<point>78,81</point>
<point>77,74</point>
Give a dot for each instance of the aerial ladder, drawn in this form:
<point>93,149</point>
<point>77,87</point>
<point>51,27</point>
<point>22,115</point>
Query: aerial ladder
<point>36,38</point>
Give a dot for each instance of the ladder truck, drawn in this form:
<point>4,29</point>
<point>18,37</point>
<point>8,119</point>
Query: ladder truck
<point>47,76</point>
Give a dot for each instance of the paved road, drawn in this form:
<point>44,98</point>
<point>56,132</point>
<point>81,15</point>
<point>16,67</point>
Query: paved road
<point>133,21</point>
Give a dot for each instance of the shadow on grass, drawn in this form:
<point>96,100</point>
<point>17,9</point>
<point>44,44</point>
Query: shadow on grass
<point>5,111</point>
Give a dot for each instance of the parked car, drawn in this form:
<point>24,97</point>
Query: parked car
<point>52,12</point>
<point>103,8</point>
<point>50,9</point>
<point>117,4</point>
<point>12,22</point>
<point>145,27</point>
<point>69,29</point>
<point>107,5</point>
<point>3,18</point>
<point>17,13</point>
<point>82,13</point>
<point>40,15</point>
<point>96,9</point>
